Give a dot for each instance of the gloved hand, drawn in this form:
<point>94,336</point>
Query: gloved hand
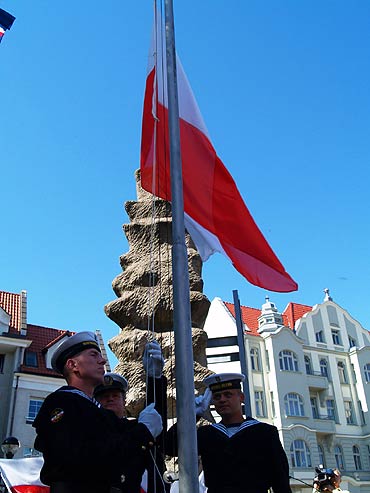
<point>151,419</point>
<point>153,360</point>
<point>202,402</point>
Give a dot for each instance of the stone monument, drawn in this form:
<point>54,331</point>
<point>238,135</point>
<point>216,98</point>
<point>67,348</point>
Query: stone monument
<point>144,299</point>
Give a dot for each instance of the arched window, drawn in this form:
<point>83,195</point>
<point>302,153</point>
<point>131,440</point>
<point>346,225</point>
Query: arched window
<point>293,405</point>
<point>321,455</point>
<point>324,367</point>
<point>357,458</point>
<point>342,372</point>
<point>300,454</point>
<point>367,372</point>
<point>338,453</point>
<point>288,361</point>
<point>255,359</point>
<point>308,365</point>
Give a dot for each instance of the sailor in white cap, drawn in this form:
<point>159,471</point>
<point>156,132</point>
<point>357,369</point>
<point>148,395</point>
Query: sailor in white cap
<point>111,394</point>
<point>238,454</point>
<point>82,444</point>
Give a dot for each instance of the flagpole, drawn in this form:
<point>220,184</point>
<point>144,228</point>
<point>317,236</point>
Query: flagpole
<point>185,406</point>
<point>242,357</point>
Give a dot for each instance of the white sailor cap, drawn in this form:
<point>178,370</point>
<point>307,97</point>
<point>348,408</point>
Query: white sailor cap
<point>71,346</point>
<point>112,381</point>
<point>224,381</point>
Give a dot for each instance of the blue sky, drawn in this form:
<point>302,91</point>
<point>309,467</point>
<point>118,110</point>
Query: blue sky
<point>283,87</point>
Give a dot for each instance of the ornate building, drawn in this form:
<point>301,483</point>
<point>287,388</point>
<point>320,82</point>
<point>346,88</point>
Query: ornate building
<point>309,375</point>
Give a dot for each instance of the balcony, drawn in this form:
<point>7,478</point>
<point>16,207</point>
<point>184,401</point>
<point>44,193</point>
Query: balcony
<point>324,424</point>
<point>317,381</point>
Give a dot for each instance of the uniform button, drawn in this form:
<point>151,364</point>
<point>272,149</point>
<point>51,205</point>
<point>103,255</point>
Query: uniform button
<point>151,444</point>
<point>123,478</point>
<point>143,447</point>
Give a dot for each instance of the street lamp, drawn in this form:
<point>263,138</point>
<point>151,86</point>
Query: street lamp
<point>10,446</point>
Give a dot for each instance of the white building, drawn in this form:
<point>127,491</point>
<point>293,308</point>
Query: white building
<point>26,376</point>
<point>308,374</point>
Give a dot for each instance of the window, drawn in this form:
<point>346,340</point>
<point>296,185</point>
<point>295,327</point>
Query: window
<point>321,455</point>
<point>293,405</point>
<point>348,409</point>
<point>255,359</point>
<point>288,361</point>
<point>320,336</point>
<point>357,458</point>
<point>342,372</point>
<point>330,408</point>
<point>362,414</point>
<point>260,403</point>
<point>352,341</point>
<point>33,409</point>
<point>300,454</point>
<point>367,372</point>
<point>273,404</point>
<point>308,365</point>
<point>336,337</point>
<point>324,367</point>
<point>30,358</point>
<point>2,362</point>
<point>315,409</point>
<point>338,453</point>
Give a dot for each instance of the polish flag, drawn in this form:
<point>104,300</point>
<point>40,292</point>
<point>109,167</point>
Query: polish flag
<point>23,475</point>
<point>2,32</point>
<point>215,214</point>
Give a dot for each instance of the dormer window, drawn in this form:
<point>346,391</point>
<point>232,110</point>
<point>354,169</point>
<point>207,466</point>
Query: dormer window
<point>30,359</point>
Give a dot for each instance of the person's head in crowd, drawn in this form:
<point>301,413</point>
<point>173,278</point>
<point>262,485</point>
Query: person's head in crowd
<point>227,395</point>
<point>78,358</point>
<point>112,393</point>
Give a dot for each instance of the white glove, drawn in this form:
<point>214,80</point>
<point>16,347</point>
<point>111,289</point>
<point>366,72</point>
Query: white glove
<point>202,402</point>
<point>151,419</point>
<point>153,360</point>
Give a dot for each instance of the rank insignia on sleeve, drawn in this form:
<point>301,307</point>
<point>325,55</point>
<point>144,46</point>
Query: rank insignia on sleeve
<point>56,415</point>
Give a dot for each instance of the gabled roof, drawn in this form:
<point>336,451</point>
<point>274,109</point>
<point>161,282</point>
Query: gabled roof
<point>42,339</point>
<point>11,304</point>
<point>292,313</point>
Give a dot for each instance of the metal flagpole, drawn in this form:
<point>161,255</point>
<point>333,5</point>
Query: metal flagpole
<point>243,360</point>
<point>185,405</point>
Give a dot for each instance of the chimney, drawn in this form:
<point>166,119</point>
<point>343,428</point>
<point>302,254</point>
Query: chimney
<point>23,313</point>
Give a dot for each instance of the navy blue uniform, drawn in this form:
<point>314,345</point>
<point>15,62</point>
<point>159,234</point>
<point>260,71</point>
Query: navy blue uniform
<point>87,449</point>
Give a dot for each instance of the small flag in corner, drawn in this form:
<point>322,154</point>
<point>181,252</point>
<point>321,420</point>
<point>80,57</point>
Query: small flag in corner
<point>6,22</point>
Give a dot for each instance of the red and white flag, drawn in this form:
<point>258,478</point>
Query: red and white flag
<point>215,214</point>
<point>23,475</point>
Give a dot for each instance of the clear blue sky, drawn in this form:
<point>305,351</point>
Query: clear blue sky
<point>283,86</point>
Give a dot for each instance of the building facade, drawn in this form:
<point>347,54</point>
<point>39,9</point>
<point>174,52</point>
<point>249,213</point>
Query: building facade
<point>26,376</point>
<point>308,373</point>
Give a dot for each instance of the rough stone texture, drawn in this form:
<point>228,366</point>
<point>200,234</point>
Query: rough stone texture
<point>144,298</point>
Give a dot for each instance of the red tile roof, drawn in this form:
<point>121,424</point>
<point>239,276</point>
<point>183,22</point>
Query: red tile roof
<point>11,304</point>
<point>292,313</point>
<point>249,316</point>
<point>42,338</point>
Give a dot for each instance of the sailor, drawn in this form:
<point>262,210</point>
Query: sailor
<point>238,454</point>
<point>111,394</point>
<point>82,444</point>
